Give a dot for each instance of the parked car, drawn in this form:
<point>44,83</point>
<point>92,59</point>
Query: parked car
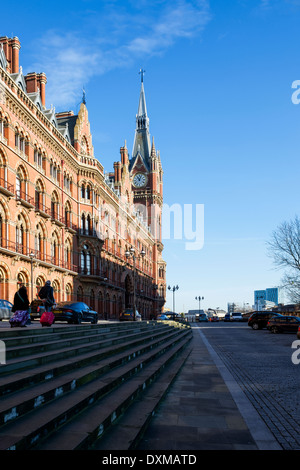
<point>36,308</point>
<point>127,315</point>
<point>5,309</point>
<point>259,320</point>
<point>236,316</point>
<point>213,318</point>
<point>74,312</point>
<point>202,317</point>
<point>283,323</point>
<point>162,317</point>
<point>227,317</point>
<point>173,316</point>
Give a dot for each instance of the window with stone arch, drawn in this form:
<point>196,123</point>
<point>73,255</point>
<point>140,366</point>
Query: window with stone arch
<point>21,183</point>
<point>68,214</point>
<point>21,234</point>
<point>3,226</point>
<point>55,243</point>
<point>39,195</point>
<point>86,260</point>
<point>55,206</point>
<point>3,283</point>
<point>69,292</point>
<point>39,283</point>
<point>80,294</point>
<point>3,170</point>
<point>22,280</point>
<point>68,253</point>
<point>56,290</point>
<point>39,242</point>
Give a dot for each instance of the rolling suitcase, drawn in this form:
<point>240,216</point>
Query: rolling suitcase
<point>47,319</point>
<point>19,318</point>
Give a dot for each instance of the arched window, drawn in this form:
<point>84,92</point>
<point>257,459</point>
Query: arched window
<point>20,236</point>
<point>80,294</point>
<point>68,292</point>
<point>85,260</point>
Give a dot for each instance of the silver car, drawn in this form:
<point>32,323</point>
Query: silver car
<point>5,309</point>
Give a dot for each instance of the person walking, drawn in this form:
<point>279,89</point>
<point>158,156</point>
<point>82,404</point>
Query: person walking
<point>46,294</point>
<point>21,301</point>
<point>20,308</point>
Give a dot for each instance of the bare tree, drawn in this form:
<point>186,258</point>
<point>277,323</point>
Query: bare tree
<point>284,248</point>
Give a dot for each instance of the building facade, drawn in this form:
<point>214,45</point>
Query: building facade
<point>62,217</point>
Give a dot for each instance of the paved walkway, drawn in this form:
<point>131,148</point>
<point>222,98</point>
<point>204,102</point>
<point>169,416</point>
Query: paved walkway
<point>205,409</point>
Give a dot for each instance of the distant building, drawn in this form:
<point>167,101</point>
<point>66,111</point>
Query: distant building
<point>267,298</point>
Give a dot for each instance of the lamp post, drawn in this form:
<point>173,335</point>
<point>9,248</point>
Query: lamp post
<point>31,261</point>
<point>131,254</point>
<point>199,298</point>
<point>174,288</point>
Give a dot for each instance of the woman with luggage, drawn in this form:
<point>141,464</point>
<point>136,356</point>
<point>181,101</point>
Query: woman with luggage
<point>20,308</point>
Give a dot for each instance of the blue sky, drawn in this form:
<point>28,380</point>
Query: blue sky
<point>218,86</point>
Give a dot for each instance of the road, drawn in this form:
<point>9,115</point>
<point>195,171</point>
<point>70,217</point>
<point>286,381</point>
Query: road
<point>261,363</point>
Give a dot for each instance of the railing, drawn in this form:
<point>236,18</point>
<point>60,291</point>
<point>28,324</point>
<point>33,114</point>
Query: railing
<point>4,184</point>
<point>39,206</point>
<point>70,225</point>
<point>23,196</point>
<point>57,217</point>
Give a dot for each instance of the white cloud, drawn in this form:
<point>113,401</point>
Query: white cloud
<point>120,38</point>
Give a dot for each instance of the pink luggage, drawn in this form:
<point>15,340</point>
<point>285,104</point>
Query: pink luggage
<point>47,319</point>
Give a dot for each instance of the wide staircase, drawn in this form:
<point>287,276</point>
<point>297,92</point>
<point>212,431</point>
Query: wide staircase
<point>86,386</point>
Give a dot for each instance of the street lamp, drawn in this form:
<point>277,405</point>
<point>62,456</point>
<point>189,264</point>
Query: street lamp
<point>31,261</point>
<point>199,298</point>
<point>174,288</point>
<point>131,254</point>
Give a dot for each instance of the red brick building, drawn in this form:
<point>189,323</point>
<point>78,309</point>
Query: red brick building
<point>61,216</point>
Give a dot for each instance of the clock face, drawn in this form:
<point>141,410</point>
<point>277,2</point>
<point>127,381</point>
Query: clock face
<point>139,180</point>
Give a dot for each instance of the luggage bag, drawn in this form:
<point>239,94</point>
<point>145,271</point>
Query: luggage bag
<point>47,319</point>
<point>19,318</point>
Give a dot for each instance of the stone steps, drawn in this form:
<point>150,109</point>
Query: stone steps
<point>58,383</point>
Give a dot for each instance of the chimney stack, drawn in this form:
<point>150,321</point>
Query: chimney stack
<point>11,47</point>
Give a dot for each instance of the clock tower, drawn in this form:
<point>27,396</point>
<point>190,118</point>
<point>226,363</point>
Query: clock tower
<point>146,176</point>
<point>145,168</point>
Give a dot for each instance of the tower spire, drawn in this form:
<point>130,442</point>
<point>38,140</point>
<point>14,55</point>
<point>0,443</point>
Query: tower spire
<point>142,137</point>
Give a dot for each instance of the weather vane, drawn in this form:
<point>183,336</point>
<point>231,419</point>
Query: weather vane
<point>141,72</point>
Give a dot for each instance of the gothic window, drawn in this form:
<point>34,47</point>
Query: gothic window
<point>83,191</point>
<point>55,249</point>
<point>38,158</point>
<point>67,214</point>
<point>88,192</point>
<point>39,195</point>
<point>69,292</point>
<point>80,294</point>
<point>56,290</point>
<point>83,224</point>
<point>85,260</point>
<point>54,206</point>
<point>20,235</point>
